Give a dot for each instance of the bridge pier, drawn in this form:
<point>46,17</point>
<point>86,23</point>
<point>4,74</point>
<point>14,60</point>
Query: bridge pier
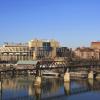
<point>38,80</point>
<point>91,75</point>
<point>67,76</point>
<point>13,73</point>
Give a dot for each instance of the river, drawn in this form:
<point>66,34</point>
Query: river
<point>22,88</point>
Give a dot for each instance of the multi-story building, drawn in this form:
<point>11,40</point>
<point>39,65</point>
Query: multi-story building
<point>89,52</point>
<point>35,49</point>
<point>85,53</point>
<point>95,45</point>
<point>43,48</point>
<point>63,52</point>
<point>15,52</point>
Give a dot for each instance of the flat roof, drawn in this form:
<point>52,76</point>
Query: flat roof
<point>27,62</point>
<point>96,42</point>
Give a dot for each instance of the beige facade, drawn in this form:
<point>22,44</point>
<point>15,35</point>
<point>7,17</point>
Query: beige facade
<point>96,47</point>
<point>14,52</point>
<point>35,49</point>
<point>43,48</point>
<point>87,53</point>
<point>39,43</point>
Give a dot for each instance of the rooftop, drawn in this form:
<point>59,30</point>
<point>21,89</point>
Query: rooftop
<point>27,62</point>
<point>86,49</point>
<point>96,42</point>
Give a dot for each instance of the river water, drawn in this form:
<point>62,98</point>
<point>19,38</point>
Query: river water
<point>22,88</point>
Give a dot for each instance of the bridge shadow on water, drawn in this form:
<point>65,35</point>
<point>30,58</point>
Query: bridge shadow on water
<point>22,88</point>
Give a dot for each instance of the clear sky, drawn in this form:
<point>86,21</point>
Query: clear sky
<point>72,22</point>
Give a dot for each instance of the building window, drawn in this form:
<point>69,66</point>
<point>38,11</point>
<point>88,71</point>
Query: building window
<point>46,44</point>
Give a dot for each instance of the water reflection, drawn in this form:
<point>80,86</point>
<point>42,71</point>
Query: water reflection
<point>37,92</point>
<point>67,88</point>
<point>22,88</point>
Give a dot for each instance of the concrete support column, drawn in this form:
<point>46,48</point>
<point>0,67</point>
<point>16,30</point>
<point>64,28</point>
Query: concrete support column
<point>67,77</point>
<point>28,72</point>
<point>91,75</point>
<point>38,80</point>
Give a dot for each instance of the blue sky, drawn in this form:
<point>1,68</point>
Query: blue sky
<point>72,22</point>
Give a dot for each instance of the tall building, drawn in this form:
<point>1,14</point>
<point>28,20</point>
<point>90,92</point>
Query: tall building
<point>43,48</point>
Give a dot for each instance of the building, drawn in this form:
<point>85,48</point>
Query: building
<point>63,52</point>
<point>85,53</point>
<point>43,48</point>
<point>95,45</point>
<point>33,50</point>
<point>89,52</point>
<point>15,52</point>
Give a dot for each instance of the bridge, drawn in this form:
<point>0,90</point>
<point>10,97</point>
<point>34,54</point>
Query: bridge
<point>49,65</point>
<point>59,66</point>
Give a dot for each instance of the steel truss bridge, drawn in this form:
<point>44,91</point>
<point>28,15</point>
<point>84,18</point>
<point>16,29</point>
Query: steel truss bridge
<point>50,65</point>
